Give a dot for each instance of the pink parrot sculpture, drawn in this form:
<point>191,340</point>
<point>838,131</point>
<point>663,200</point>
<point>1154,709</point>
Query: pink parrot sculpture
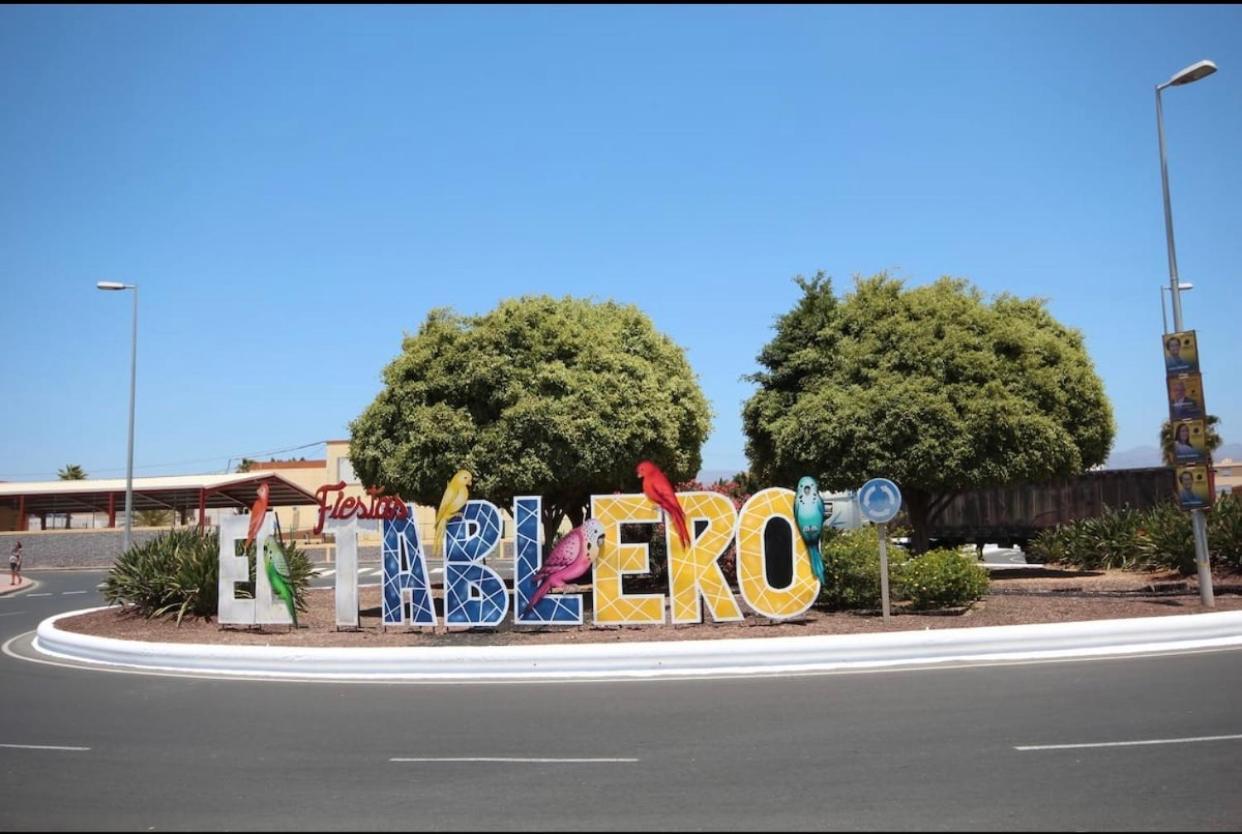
<point>571,558</point>
<point>661,492</point>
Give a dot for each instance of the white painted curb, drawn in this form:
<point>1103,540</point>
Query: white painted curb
<point>651,660</point>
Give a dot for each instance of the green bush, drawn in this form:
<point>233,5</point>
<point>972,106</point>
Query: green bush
<point>1168,540</point>
<point>1158,537</point>
<point>179,571</point>
<point>941,579</point>
<point>1225,532</point>
<point>852,568</point>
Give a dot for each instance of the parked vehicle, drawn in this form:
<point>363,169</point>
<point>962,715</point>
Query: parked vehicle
<point>1013,515</point>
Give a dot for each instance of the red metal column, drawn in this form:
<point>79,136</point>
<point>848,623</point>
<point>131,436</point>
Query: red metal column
<point>202,508</point>
<point>111,509</point>
<point>21,512</point>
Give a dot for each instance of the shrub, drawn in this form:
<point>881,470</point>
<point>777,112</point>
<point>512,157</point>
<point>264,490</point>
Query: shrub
<point>180,571</point>
<point>1168,539</point>
<point>941,579</point>
<point>1158,537</point>
<point>852,568</point>
<point>1225,531</point>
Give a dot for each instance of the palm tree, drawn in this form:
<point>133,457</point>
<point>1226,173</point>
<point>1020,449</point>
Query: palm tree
<point>1212,439</point>
<point>71,472</point>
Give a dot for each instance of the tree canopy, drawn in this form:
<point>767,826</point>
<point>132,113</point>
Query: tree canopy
<point>934,387</point>
<point>541,396</point>
<point>71,472</point>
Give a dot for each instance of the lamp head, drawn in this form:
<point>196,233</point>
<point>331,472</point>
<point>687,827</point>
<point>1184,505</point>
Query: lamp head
<point>1192,73</point>
<point>111,285</point>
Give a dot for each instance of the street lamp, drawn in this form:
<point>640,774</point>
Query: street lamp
<point>133,374</point>
<point>1190,74</point>
<point>1183,286</point>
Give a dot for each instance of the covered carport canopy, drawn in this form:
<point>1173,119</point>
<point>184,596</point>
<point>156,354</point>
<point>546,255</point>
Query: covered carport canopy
<point>178,492</point>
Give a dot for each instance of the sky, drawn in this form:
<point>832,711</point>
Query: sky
<point>293,189</point>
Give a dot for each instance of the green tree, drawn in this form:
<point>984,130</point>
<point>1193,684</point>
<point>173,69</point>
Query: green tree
<point>245,465</point>
<point>1166,438</point>
<point>541,396</point>
<point>934,387</point>
<point>153,518</point>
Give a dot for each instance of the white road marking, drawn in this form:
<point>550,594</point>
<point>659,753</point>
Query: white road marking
<point>38,595</point>
<point>12,613</point>
<point>509,759</point>
<point>70,593</point>
<point>1128,743</point>
<point>327,572</point>
<point>43,747</point>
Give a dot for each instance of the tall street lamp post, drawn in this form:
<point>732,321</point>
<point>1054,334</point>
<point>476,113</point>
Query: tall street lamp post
<point>133,375</point>
<point>1198,522</point>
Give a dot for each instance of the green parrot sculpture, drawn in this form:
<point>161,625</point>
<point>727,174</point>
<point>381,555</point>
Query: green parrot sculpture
<point>277,569</point>
<point>809,513</point>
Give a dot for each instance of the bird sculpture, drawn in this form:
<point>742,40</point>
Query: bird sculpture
<point>456,494</point>
<point>809,514</point>
<point>258,511</point>
<point>656,486</point>
<point>570,559</point>
<point>277,569</point>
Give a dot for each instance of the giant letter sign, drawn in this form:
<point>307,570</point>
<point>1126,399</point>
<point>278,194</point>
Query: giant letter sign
<point>346,531</point>
<point>694,573</point>
<point>406,589</point>
<point>612,605</point>
<point>562,609</point>
<point>474,594</point>
<point>772,505</point>
<point>263,609</point>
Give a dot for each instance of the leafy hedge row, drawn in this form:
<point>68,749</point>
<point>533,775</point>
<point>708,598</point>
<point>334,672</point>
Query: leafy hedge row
<point>937,579</point>
<point>179,572</point>
<point>1159,537</point>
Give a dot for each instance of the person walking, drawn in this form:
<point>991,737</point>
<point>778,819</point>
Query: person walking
<point>15,565</point>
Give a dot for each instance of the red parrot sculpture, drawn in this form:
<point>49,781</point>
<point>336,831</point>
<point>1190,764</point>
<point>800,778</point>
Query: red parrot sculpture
<point>657,487</point>
<point>257,512</point>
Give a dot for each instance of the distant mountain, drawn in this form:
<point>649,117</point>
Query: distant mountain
<point>711,476</point>
<point>1142,456</point>
<point>1136,458</point>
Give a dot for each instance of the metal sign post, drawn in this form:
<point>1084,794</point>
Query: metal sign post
<point>883,529</point>
<point>879,501</point>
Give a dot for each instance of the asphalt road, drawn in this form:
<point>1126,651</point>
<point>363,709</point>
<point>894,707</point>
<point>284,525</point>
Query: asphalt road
<point>922,749</point>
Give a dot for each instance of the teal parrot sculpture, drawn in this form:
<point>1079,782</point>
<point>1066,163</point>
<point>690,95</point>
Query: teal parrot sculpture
<point>809,513</point>
<point>277,569</point>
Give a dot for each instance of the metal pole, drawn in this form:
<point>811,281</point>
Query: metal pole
<point>1168,219</point>
<point>129,467</point>
<point>1164,317</point>
<point>883,531</point>
<point>1197,521</point>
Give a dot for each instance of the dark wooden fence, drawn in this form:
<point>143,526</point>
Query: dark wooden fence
<point>1013,515</point>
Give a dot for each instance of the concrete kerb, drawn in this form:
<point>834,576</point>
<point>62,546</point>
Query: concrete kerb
<point>654,660</point>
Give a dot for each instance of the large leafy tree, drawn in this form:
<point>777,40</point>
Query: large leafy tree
<point>541,396</point>
<point>935,387</point>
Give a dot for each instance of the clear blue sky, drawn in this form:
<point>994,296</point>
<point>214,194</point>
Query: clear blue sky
<point>295,187</point>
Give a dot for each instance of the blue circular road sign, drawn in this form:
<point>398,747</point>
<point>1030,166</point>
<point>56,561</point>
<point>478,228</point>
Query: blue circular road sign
<point>879,500</point>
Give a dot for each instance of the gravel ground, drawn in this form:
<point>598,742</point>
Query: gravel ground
<point>1020,596</point>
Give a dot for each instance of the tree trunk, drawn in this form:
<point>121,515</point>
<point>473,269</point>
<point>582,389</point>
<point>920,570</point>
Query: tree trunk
<point>918,504</point>
<point>577,514</point>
